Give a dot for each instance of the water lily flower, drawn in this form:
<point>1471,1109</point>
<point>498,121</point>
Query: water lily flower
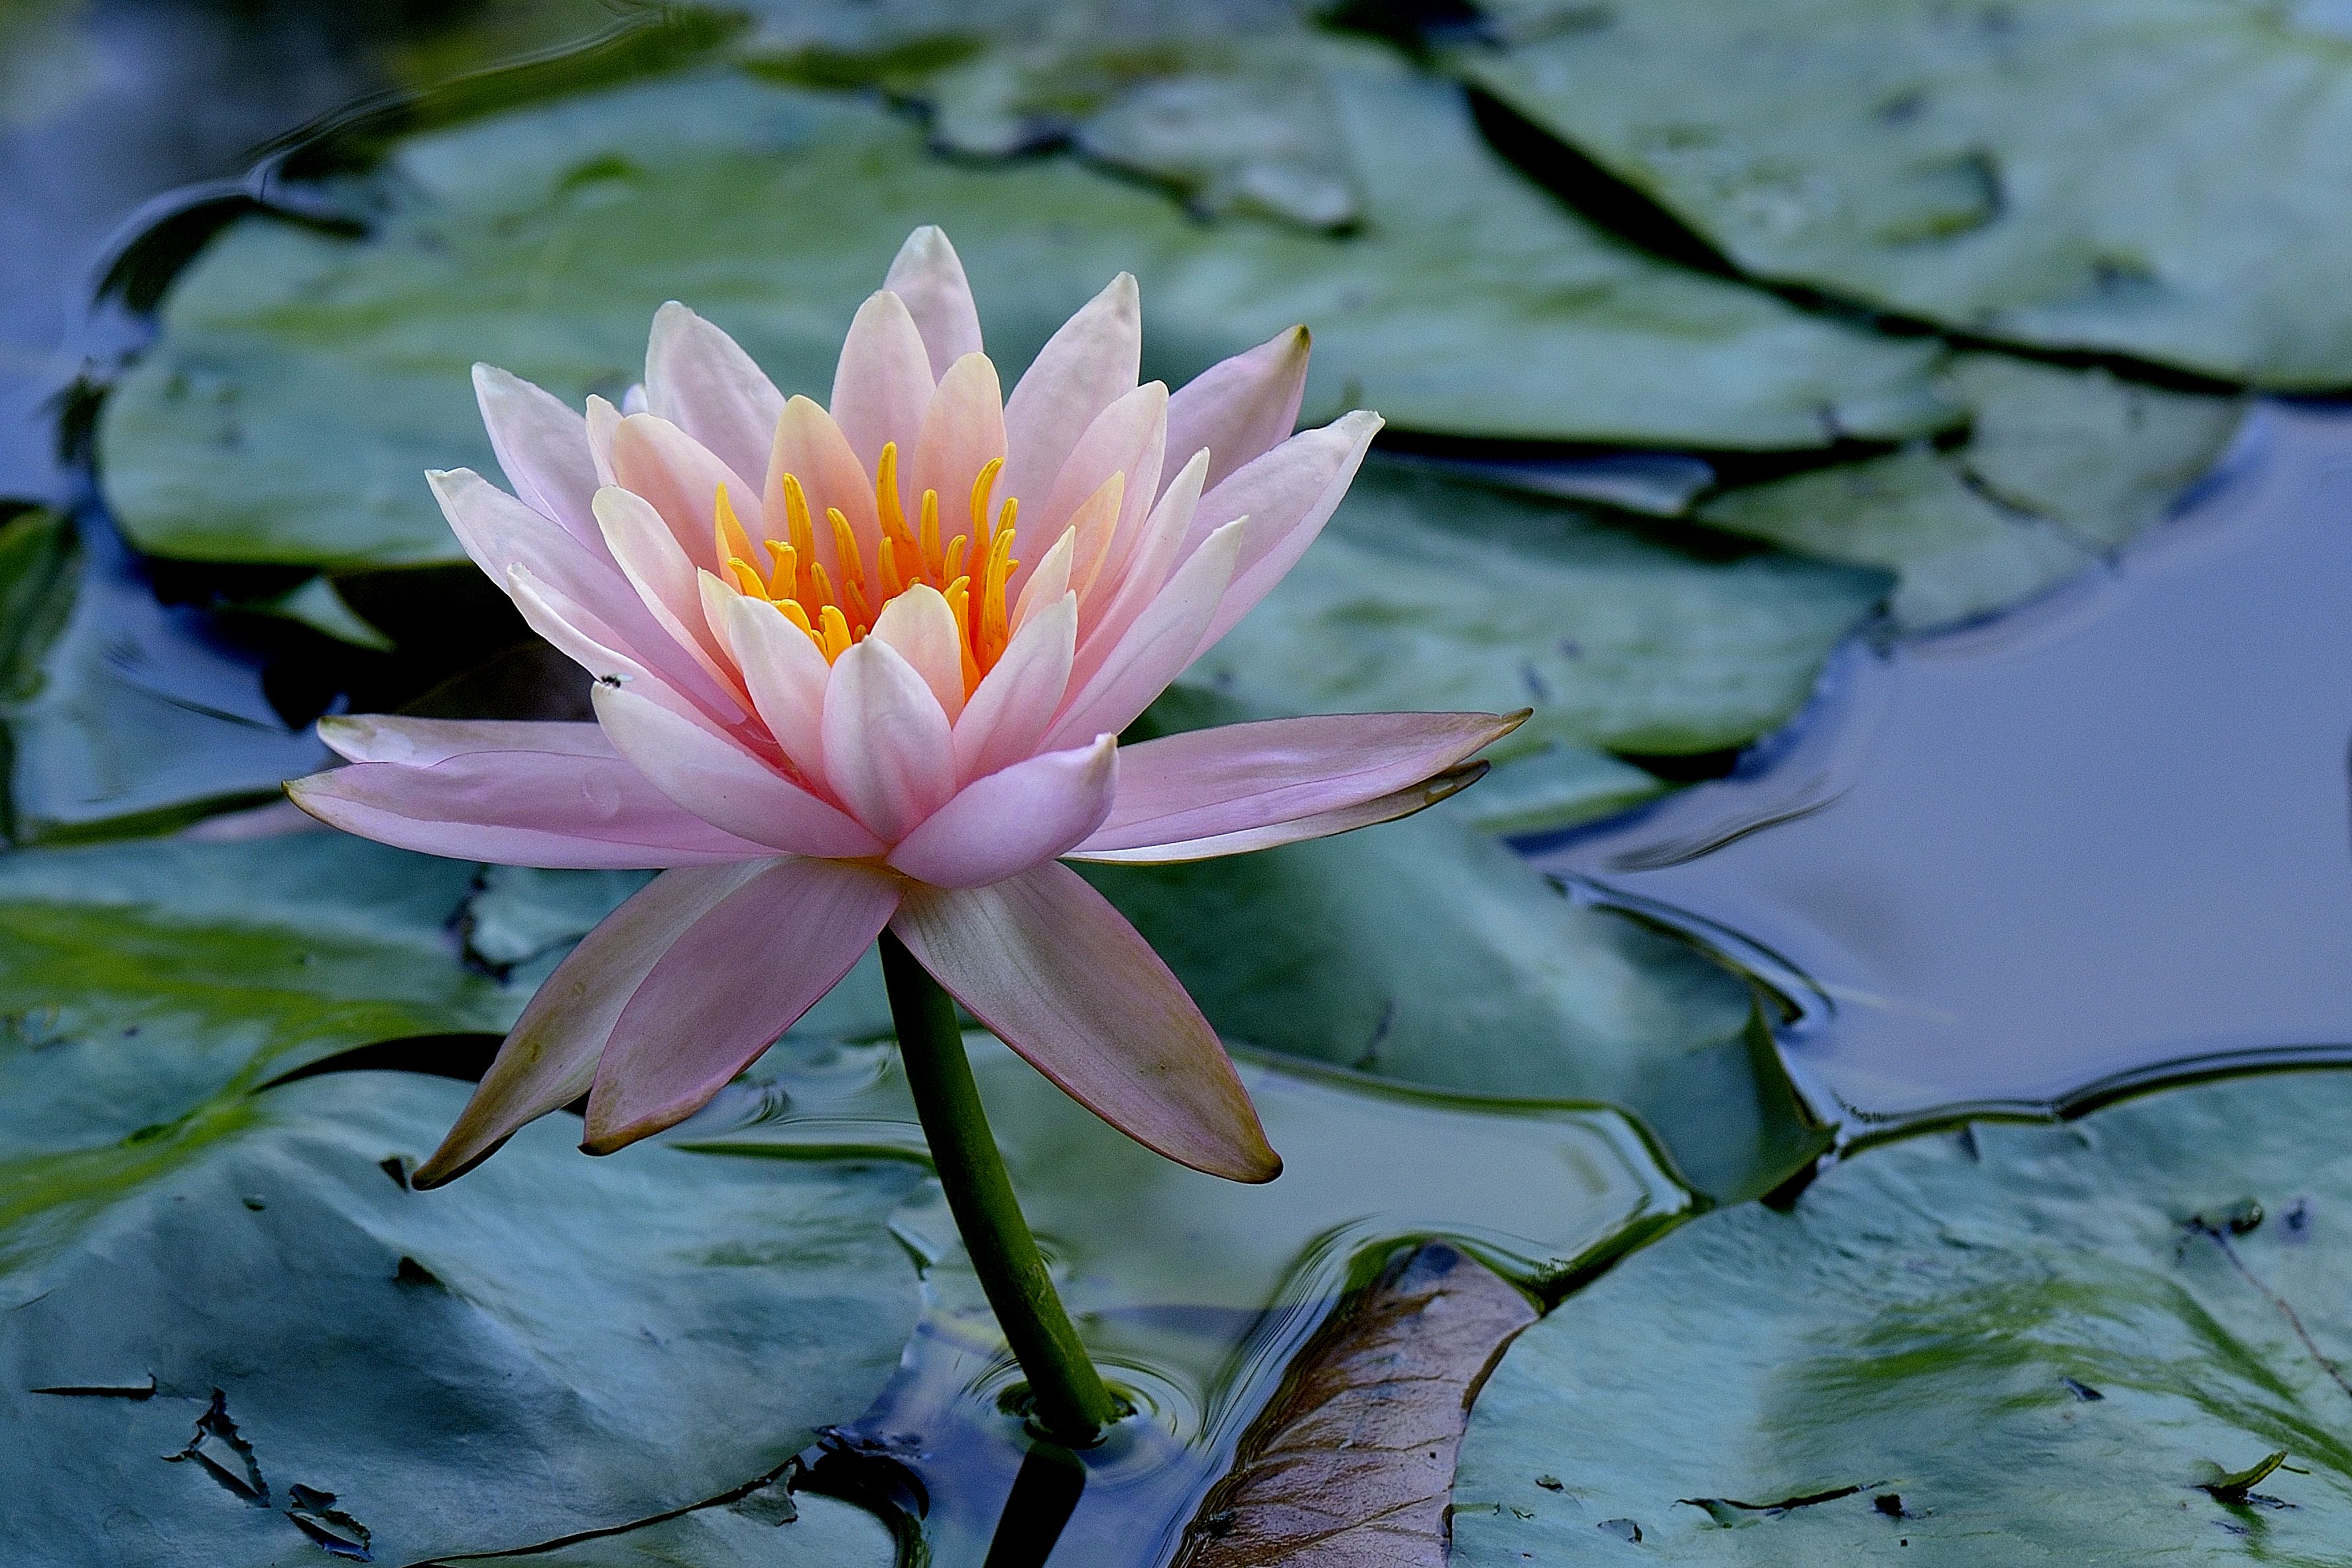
<point>865,667</point>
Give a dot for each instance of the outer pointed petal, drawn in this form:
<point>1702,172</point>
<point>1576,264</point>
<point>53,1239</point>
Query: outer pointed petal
<point>811,449</point>
<point>697,765</point>
<point>1059,975</point>
<point>786,676</point>
<point>1164,639</point>
<point>1241,408</point>
<point>1287,494</point>
<point>921,627</point>
<point>884,382</point>
<point>888,751</point>
<point>1001,825</point>
<point>1014,703</point>
<point>667,672</point>
<point>1083,368</point>
<point>727,987</point>
<point>928,275</point>
<point>550,1058</point>
<point>500,532</point>
<point>1323,825</point>
<point>665,580</point>
<point>544,448</point>
<point>701,380</point>
<point>1049,583</point>
<point>963,431</point>
<point>512,792</point>
<point>422,742</point>
<point>1240,777</point>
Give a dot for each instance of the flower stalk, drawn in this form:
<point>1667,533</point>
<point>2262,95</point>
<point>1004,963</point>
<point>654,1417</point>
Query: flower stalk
<point>1067,1395</point>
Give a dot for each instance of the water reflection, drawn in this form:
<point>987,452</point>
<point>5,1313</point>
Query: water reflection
<point>2097,841</point>
<point>1193,1293</point>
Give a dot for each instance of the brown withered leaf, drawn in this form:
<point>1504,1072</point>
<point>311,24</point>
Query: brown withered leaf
<point>1352,1465</point>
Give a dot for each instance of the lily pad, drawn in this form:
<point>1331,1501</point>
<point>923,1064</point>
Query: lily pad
<point>103,684</point>
<point>2156,178</point>
<point>2059,465</point>
<point>555,1344</point>
<point>303,380</point>
<point>1431,593</point>
<point>2081,1342</point>
<point>1423,952</point>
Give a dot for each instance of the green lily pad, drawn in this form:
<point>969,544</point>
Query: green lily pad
<point>1429,593</point>
<point>2059,465</point>
<point>265,1343</point>
<point>119,717</point>
<point>1423,952</point>
<point>2086,1342</point>
<point>303,381</point>
<point>2158,178</point>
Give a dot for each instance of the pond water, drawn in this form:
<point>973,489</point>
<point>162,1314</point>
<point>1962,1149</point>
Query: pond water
<point>2096,843</point>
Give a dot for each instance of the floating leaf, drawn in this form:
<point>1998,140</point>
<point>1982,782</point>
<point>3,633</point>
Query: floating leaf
<point>543,240</point>
<point>2059,465</point>
<point>104,686</point>
<point>1991,167</point>
<point>1423,952</point>
<point>2006,1344</point>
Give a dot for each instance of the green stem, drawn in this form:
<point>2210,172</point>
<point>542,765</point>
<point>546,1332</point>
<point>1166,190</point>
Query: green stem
<point>1068,1394</point>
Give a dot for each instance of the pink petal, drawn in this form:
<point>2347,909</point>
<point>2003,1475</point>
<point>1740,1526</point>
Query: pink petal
<point>667,583</point>
<point>711,775</point>
<point>1244,776</point>
<point>1121,595</point>
<point>884,382</point>
<point>701,380</point>
<point>1322,825</point>
<point>1059,975</point>
<point>1287,494</point>
<point>928,275</point>
<point>544,448</point>
<point>581,635</point>
<point>604,424</point>
<point>963,431</point>
<point>1049,583</point>
<point>1083,368</point>
<point>727,988</point>
<point>888,752</point>
<point>422,742</point>
<point>1126,440</point>
<point>785,674</point>
<point>1014,703</point>
<point>519,807</point>
<point>1241,408</point>
<point>813,450</point>
<point>679,477</point>
<point>1001,825</point>
<point>1164,639</point>
<point>500,532</point>
<point>549,1058</point>
<point>919,624</point>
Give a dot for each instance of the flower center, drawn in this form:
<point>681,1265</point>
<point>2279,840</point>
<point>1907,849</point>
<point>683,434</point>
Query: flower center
<point>970,570</point>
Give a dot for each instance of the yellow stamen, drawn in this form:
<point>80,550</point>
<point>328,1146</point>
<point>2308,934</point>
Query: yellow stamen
<point>885,492</point>
<point>799,617</point>
<point>981,488</point>
<point>745,579</point>
<point>733,542</point>
<point>837,639</point>
<point>853,568</point>
<point>819,583</point>
<point>991,634</point>
<point>893,581</point>
<point>1004,516</point>
<point>958,598</point>
<point>799,531</point>
<point>787,574</point>
<point>952,567</point>
<point>930,539</point>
